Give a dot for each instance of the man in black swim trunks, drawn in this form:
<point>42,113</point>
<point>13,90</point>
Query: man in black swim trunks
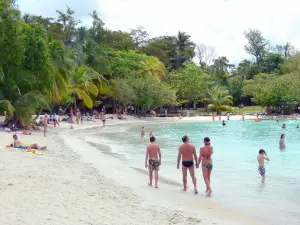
<point>188,153</point>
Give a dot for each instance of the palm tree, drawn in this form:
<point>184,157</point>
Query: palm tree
<point>19,97</point>
<point>184,51</point>
<point>87,84</point>
<point>219,99</point>
<point>152,66</point>
<point>57,70</point>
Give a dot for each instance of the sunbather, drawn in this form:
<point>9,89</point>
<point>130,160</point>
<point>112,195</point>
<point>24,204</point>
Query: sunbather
<point>19,144</point>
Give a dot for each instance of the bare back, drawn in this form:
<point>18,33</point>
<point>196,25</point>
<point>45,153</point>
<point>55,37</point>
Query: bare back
<point>205,153</point>
<point>187,151</point>
<point>261,160</point>
<point>153,150</point>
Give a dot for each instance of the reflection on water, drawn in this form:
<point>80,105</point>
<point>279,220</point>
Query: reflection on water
<point>235,179</point>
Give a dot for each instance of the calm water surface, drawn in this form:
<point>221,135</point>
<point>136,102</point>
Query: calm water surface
<point>235,179</point>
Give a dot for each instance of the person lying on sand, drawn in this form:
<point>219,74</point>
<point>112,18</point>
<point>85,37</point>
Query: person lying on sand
<point>154,155</point>
<point>19,144</point>
<point>188,154</point>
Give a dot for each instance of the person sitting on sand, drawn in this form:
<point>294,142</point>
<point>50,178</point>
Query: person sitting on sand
<point>223,123</point>
<point>205,156</point>
<point>142,132</point>
<point>283,125</point>
<point>282,143</point>
<point>188,154</point>
<point>154,155</point>
<point>262,156</point>
<point>19,144</point>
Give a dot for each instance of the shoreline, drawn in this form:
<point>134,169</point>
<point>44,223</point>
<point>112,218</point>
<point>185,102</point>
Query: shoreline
<point>80,182</point>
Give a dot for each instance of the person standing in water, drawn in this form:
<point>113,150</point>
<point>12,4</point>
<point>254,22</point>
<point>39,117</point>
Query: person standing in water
<point>188,154</point>
<point>262,156</point>
<point>205,156</point>
<point>283,125</point>
<point>153,160</point>
<point>151,133</point>
<point>223,123</point>
<point>282,143</point>
<point>142,132</point>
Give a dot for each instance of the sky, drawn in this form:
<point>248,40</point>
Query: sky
<point>218,23</point>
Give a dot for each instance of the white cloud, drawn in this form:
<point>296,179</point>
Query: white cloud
<point>219,23</point>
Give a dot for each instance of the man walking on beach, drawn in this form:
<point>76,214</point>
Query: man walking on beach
<point>154,156</point>
<point>188,153</point>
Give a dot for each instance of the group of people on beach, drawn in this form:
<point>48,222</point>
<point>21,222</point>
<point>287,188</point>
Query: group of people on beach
<point>187,159</point>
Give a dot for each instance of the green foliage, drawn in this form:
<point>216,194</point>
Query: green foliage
<point>274,91</point>
<point>257,44</point>
<point>219,99</point>
<point>190,83</point>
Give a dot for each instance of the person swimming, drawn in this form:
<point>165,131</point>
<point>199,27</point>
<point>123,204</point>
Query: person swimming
<point>283,125</point>
<point>223,123</point>
<point>282,143</point>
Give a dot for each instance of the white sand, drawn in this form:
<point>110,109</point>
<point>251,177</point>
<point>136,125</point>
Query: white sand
<point>73,183</point>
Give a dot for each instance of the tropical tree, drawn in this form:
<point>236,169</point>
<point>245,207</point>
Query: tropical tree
<point>185,50</point>
<point>219,99</point>
<point>152,66</point>
<point>86,85</point>
<point>19,97</point>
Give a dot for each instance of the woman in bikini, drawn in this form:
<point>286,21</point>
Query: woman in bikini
<point>205,156</point>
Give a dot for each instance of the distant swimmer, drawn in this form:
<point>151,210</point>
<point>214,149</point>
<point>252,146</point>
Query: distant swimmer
<point>282,143</point>
<point>223,123</point>
<point>277,121</point>
<point>262,156</point>
<point>283,125</point>
<point>153,160</point>
<point>188,154</point>
<point>179,116</point>
<point>143,132</point>
<point>151,133</point>
<point>297,126</point>
<point>205,156</point>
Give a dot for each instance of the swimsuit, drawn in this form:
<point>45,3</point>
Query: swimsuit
<point>187,163</point>
<point>153,164</point>
<point>208,165</point>
<point>261,170</point>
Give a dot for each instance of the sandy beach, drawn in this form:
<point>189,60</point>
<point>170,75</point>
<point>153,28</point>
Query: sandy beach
<point>73,183</point>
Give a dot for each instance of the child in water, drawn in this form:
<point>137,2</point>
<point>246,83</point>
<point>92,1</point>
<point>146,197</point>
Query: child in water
<point>142,132</point>
<point>262,156</point>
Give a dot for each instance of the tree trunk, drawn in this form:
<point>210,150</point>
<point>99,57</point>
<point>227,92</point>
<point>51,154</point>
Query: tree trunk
<point>37,115</point>
<point>66,108</point>
<point>75,105</point>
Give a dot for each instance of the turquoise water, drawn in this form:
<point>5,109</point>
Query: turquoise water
<point>235,179</point>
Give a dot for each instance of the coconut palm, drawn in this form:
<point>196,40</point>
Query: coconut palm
<point>219,99</point>
<point>184,51</point>
<point>19,96</point>
<point>87,84</point>
<point>152,66</point>
<point>57,71</point>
